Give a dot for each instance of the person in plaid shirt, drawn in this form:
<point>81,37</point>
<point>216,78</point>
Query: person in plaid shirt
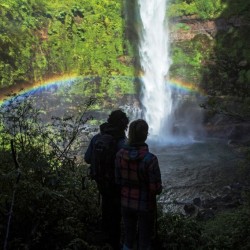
<point>138,175</point>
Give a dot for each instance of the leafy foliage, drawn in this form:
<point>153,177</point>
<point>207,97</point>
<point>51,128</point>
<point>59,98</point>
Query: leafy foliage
<point>41,181</point>
<point>178,232</point>
<point>46,38</point>
<point>17,24</point>
<point>181,8</point>
<point>189,57</point>
<point>209,9</point>
<point>230,230</point>
<point>201,8</point>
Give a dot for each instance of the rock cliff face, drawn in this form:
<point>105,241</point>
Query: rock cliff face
<point>236,133</point>
<point>223,30</point>
<point>193,26</point>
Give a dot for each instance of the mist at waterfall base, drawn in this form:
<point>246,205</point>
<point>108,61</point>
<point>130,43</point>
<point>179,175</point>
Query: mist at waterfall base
<point>183,125</point>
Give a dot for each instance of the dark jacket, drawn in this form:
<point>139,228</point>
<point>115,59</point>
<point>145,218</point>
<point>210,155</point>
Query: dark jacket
<point>105,128</point>
<point>138,174</point>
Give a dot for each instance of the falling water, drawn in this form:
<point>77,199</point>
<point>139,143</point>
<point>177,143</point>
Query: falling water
<point>155,63</point>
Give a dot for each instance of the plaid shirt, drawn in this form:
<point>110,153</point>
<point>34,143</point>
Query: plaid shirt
<point>138,174</point>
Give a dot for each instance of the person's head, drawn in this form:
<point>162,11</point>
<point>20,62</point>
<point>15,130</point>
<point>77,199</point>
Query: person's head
<point>118,119</point>
<point>138,131</point>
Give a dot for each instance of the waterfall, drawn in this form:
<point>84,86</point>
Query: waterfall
<point>155,62</point>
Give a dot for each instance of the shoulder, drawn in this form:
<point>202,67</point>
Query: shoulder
<point>95,137</point>
<point>150,157</point>
<point>120,152</point>
<point>121,142</point>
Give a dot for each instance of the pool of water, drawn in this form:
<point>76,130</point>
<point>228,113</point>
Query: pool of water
<point>202,169</point>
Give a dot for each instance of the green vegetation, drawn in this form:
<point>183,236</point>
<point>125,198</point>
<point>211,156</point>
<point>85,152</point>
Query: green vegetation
<point>210,9</point>
<point>207,9</point>
<point>201,8</point>
<point>228,230</point>
<point>40,39</point>
<point>181,8</point>
<point>189,57</point>
<point>43,202</point>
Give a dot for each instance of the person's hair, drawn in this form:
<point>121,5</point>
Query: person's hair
<point>118,119</point>
<point>138,132</point>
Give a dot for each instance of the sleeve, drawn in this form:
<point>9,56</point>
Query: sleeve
<point>155,183</point>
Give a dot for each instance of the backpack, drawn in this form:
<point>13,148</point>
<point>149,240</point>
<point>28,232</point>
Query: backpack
<point>104,152</point>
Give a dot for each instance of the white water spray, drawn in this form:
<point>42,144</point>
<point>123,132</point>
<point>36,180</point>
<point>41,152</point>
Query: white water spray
<point>155,63</point>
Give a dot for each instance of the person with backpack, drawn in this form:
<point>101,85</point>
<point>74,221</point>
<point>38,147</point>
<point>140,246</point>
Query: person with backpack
<point>100,155</point>
<point>138,174</point>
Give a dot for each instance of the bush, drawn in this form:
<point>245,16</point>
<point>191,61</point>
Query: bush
<point>43,204</point>
<point>229,230</point>
<point>178,232</point>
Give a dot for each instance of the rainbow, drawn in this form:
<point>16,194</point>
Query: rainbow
<point>31,88</point>
<point>184,86</point>
<point>56,82</point>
